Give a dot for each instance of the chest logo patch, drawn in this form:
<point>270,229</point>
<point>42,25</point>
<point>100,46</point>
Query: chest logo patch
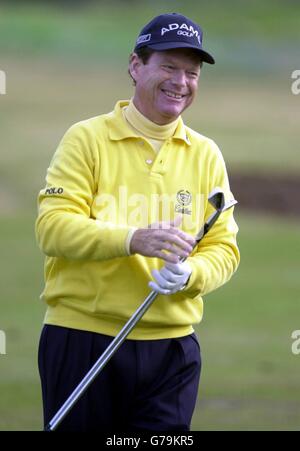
<point>184,200</point>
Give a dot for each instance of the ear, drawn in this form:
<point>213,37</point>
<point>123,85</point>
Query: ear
<point>135,63</point>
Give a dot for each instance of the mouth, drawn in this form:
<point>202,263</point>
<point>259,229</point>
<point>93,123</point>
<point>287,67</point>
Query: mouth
<point>173,95</point>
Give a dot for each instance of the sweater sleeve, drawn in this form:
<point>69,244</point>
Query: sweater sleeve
<point>64,226</point>
<point>217,256</point>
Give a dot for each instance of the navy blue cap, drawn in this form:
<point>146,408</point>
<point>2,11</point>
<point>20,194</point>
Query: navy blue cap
<point>173,31</point>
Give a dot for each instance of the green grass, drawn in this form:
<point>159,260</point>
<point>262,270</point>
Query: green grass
<point>254,36</point>
<point>48,27</point>
<point>21,317</point>
<point>250,377</point>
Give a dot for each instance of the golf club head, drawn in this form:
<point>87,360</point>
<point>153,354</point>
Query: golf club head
<point>217,199</point>
<point>229,204</point>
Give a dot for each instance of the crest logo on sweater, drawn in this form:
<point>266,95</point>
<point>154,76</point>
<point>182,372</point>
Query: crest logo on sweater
<point>184,200</point>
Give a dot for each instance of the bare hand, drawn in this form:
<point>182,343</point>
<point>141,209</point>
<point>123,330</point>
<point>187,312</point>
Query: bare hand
<point>162,240</point>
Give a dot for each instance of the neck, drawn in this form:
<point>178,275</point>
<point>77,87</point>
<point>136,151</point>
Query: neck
<point>147,127</point>
<point>158,120</point>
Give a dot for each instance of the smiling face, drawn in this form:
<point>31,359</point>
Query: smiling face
<point>166,85</point>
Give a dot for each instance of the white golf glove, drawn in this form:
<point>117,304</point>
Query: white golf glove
<point>171,278</point>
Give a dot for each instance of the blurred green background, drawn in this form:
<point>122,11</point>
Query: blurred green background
<point>66,61</point>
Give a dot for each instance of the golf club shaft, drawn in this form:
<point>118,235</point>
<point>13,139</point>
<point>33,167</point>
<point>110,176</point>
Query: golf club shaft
<point>101,362</point>
<point>117,341</point>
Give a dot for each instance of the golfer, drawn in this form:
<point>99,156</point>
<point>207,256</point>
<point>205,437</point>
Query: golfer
<point>125,194</point>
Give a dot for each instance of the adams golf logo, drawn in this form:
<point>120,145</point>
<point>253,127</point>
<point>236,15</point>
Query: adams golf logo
<point>2,342</point>
<point>183,30</point>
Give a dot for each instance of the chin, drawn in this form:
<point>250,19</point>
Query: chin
<point>171,113</point>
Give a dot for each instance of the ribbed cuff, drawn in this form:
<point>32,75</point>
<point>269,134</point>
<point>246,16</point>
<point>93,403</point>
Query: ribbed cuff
<point>195,283</point>
<point>128,239</point>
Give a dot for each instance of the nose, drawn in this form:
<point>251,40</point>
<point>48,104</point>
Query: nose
<point>179,78</point>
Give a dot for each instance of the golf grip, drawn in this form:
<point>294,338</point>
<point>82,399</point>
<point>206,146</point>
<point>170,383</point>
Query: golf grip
<point>118,340</point>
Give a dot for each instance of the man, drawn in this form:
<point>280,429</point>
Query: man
<point>126,193</point>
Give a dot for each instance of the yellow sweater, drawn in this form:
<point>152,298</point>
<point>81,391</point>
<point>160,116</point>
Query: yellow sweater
<point>154,134</point>
<point>99,186</point>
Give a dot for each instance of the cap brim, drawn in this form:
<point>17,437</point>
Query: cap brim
<point>206,57</point>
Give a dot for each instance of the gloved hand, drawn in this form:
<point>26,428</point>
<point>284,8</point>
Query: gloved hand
<point>171,278</point>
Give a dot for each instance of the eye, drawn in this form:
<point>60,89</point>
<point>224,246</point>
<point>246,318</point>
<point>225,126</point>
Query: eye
<point>193,74</point>
<point>168,67</point>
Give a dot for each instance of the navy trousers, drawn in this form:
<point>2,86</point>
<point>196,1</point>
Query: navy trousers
<point>148,385</point>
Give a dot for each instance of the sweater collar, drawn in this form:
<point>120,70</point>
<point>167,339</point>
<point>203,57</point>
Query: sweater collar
<point>147,128</point>
<point>119,128</point>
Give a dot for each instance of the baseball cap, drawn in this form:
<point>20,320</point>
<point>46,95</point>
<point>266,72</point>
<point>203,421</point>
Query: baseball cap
<point>173,31</point>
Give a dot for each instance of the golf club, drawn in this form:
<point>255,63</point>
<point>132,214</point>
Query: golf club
<point>217,200</point>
